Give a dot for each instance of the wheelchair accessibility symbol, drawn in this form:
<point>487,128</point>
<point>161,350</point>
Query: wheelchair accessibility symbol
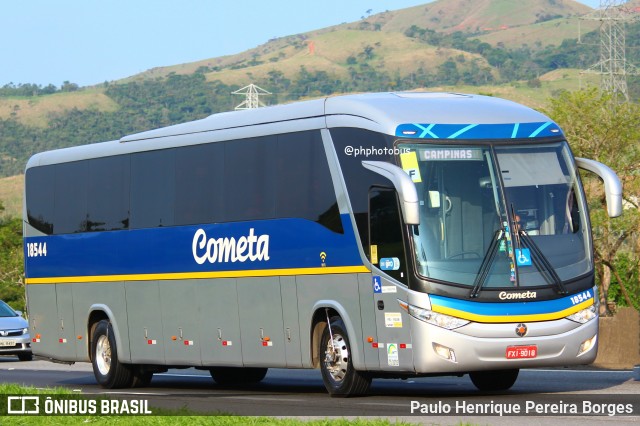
<point>377,284</point>
<point>523,257</point>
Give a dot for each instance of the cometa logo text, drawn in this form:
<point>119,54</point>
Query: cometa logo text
<point>251,247</point>
<point>511,296</point>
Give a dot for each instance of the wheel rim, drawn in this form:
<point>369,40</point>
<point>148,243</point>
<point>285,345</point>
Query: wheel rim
<point>336,358</point>
<point>103,355</point>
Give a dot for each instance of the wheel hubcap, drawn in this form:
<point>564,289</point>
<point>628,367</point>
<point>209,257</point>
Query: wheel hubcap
<point>103,355</point>
<point>336,358</point>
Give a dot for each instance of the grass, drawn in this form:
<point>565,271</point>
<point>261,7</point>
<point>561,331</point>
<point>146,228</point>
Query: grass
<point>548,32</point>
<point>11,190</point>
<point>184,420</point>
<point>34,111</point>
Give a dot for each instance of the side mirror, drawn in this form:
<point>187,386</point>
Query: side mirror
<point>403,185</point>
<point>612,185</point>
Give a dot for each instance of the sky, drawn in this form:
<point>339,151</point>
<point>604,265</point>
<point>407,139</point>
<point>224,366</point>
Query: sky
<point>92,41</point>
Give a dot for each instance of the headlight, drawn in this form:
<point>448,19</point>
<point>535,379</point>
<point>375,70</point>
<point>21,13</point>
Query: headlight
<point>587,314</point>
<point>440,320</point>
<point>25,331</point>
<point>587,345</point>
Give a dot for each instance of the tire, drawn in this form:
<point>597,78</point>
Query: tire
<point>498,380</point>
<point>338,374</point>
<point>109,372</point>
<point>25,356</point>
<point>229,376</point>
<point>141,378</point>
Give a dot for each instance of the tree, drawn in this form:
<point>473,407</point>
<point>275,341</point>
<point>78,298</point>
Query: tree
<point>69,87</point>
<point>12,288</point>
<point>447,72</point>
<point>600,129</point>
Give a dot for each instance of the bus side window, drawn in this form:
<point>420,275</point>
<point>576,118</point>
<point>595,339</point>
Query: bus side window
<point>385,230</point>
<point>40,193</point>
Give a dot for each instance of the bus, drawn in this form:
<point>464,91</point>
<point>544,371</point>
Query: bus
<point>380,235</point>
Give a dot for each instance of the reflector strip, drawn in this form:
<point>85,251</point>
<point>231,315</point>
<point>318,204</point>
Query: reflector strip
<point>200,275</point>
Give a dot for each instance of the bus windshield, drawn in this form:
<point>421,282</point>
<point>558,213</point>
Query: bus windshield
<point>498,217</point>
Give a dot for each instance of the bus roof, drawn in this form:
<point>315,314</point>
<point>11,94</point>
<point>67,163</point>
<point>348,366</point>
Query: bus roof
<point>405,114</point>
<point>384,112</point>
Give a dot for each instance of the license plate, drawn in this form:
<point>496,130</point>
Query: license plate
<point>519,352</point>
<point>7,343</point>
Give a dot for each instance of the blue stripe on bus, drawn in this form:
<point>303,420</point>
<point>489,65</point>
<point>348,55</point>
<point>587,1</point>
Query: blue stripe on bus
<point>292,243</point>
<point>478,131</point>
<point>512,308</point>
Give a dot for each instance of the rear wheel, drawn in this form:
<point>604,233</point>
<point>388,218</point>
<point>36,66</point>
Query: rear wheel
<point>237,375</point>
<point>110,373</point>
<point>494,380</point>
<point>338,374</point>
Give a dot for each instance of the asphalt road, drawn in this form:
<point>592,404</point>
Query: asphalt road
<point>301,393</point>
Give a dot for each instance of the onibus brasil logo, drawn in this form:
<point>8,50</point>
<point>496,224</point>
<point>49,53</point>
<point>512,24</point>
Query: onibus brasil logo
<point>223,249</point>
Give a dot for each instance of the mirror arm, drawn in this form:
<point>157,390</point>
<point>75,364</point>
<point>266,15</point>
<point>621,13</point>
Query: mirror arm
<point>612,185</point>
<point>403,185</point>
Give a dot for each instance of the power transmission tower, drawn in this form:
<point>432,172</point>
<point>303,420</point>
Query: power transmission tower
<point>613,67</point>
<point>252,94</point>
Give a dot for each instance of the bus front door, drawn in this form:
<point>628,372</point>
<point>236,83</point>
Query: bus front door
<point>388,254</point>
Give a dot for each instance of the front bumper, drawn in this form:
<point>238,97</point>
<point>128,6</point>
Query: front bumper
<point>15,345</point>
<point>472,353</point>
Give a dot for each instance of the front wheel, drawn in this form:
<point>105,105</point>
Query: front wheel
<point>494,380</point>
<point>110,373</point>
<point>338,374</point>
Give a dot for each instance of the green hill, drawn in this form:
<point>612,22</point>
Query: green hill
<point>327,49</point>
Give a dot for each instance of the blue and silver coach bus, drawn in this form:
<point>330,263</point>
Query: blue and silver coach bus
<point>375,235</point>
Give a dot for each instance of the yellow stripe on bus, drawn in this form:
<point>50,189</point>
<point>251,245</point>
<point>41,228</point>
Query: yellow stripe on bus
<point>513,318</point>
<point>201,275</point>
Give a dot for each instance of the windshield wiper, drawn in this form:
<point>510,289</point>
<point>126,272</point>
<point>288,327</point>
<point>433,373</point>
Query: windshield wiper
<point>485,267</point>
<point>538,258</point>
<point>542,263</point>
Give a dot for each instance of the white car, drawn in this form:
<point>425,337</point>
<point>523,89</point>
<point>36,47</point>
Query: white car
<point>14,334</point>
